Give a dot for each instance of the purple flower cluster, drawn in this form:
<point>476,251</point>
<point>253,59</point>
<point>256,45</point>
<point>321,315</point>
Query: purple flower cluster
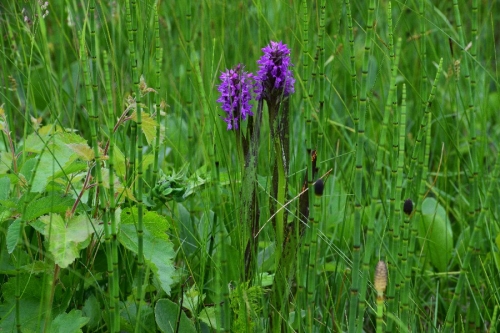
<point>274,75</point>
<point>236,93</point>
<point>274,80</point>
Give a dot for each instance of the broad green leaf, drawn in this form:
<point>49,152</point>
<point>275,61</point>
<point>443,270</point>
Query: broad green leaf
<point>210,316</point>
<point>148,125</point>
<point>166,314</point>
<point>13,235</point>
<point>92,310</point>
<point>128,317</point>
<point>435,234</point>
<point>48,204</point>
<point>57,152</point>
<point>66,241</point>
<point>5,162</point>
<point>192,299</point>
<point>82,150</point>
<point>69,322</point>
<point>158,249</point>
<point>4,187</point>
<point>30,315</point>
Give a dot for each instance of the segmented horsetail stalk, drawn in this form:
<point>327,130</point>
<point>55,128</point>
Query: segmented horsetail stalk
<point>359,122</point>
<point>469,74</point>
<point>157,96</point>
<point>421,132</point>
<point>137,139</point>
<point>423,54</point>
<point>189,101</point>
<point>115,296</point>
<point>354,87</point>
<point>321,73</point>
<point>380,283</point>
<point>471,247</point>
<point>399,141</point>
<point>302,216</point>
<point>465,70</point>
<point>94,126</point>
<point>405,226</point>
<point>393,224</point>
<point>319,186</point>
<point>376,200</point>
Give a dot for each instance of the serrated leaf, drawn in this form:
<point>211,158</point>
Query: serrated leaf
<point>436,235</point>
<point>166,314</point>
<point>92,310</point>
<point>148,125</point>
<point>48,204</point>
<point>71,322</point>
<point>58,150</point>
<point>65,242</point>
<point>158,249</point>
<point>13,233</point>
<point>82,150</point>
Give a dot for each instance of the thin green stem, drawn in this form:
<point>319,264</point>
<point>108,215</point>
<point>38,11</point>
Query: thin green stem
<point>358,178</point>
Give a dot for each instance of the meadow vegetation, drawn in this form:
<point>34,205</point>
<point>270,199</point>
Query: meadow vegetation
<point>249,166</point>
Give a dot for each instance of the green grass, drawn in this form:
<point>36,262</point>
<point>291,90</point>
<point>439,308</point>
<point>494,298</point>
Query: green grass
<point>126,205</point>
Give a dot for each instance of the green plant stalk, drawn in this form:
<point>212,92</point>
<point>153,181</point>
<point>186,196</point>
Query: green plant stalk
<point>474,207</point>
<point>380,313</point>
<point>473,241</point>
<point>157,96</point>
<point>278,120</point>
<point>405,231</point>
<point>131,30</point>
<point>423,59</point>
<point>468,70</point>
<point>376,201</point>
<point>393,258</point>
<point>321,73</point>
<point>280,198</point>
<point>189,70</point>
<point>399,162</point>
<point>115,296</point>
<point>26,196</point>
<point>352,57</point>
<point>359,122</point>
<point>421,132</point>
<point>300,273</point>
<point>137,148</point>
<point>313,261</point>
<point>94,125</point>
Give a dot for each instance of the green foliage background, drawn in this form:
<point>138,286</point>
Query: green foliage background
<point>121,191</point>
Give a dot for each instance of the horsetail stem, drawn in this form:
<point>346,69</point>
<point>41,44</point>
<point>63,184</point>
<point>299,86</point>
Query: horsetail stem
<point>101,199</point>
<point>303,214</point>
<point>157,96</point>
<point>359,122</point>
<point>405,227</point>
<point>473,241</point>
<point>115,296</point>
<point>380,284</point>
<point>136,147</point>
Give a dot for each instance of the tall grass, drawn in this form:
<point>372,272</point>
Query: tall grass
<point>127,205</point>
